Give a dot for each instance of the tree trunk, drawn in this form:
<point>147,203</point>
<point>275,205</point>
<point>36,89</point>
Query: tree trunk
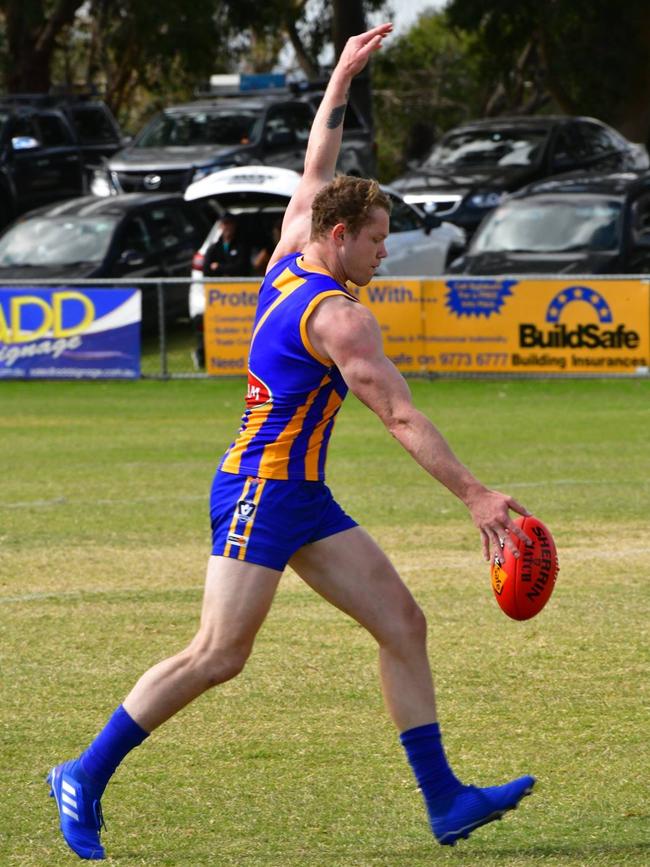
<point>349,19</point>
<point>31,38</point>
<point>304,60</point>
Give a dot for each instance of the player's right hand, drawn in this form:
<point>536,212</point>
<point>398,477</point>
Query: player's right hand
<point>359,48</point>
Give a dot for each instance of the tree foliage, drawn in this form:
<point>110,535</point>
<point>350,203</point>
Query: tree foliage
<point>424,82</point>
<point>141,55</point>
<point>591,56</point>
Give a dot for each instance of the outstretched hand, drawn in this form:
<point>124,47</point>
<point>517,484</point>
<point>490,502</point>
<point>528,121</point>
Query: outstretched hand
<point>490,512</point>
<point>359,48</point>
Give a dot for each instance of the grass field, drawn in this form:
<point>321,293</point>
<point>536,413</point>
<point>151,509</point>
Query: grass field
<point>103,543</point>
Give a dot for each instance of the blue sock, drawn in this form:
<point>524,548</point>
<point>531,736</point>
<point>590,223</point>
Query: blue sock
<point>427,758</point>
<point>118,737</point>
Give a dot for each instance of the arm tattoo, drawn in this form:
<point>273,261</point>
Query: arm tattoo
<point>336,116</point>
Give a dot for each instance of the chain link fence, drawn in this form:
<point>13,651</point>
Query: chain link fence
<point>170,339</point>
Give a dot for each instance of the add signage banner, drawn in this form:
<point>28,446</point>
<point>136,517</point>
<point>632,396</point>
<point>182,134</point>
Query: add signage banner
<point>537,326</point>
<point>69,333</point>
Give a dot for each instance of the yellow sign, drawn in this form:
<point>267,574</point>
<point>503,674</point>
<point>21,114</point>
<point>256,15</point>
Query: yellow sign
<point>470,325</point>
<point>537,326</point>
<point>397,306</point>
<point>228,325</point>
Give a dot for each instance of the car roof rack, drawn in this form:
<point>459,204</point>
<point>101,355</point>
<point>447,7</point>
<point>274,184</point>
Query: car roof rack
<point>57,95</point>
<point>251,84</point>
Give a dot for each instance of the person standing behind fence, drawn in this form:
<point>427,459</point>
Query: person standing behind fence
<point>228,256</point>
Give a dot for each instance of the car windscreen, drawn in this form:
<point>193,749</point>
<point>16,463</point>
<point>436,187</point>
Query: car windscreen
<point>551,224</point>
<point>93,125</point>
<point>56,241</point>
<point>490,148</point>
<point>189,129</point>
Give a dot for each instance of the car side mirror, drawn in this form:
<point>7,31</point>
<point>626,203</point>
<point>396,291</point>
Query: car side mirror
<point>131,258</point>
<point>24,143</point>
<point>431,221</point>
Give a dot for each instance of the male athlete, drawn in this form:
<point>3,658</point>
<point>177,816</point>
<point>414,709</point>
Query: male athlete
<point>311,342</point>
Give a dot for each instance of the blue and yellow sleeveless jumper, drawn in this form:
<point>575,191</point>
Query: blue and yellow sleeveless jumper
<point>268,497</point>
<point>293,394</point>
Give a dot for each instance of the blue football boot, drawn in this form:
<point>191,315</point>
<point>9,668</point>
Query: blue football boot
<point>80,812</point>
<point>470,807</point>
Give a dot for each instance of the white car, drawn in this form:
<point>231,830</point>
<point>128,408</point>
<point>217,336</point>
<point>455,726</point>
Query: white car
<point>418,244</point>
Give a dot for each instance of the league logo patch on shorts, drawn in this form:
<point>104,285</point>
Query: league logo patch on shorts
<point>245,510</point>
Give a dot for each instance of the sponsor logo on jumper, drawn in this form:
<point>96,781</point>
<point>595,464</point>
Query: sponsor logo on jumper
<point>245,510</point>
<point>257,392</point>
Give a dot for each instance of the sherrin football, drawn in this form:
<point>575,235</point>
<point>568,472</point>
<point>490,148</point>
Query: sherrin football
<point>522,585</point>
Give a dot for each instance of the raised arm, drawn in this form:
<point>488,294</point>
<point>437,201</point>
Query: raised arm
<point>325,139</point>
<point>349,335</point>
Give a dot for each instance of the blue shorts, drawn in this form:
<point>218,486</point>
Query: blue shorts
<point>265,521</point>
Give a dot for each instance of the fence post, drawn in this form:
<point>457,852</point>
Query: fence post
<point>162,331</point>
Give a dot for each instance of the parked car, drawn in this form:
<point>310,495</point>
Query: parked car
<point>185,143</point>
<point>579,224</point>
<point>130,236</point>
<point>418,244</point>
<point>97,132</point>
<point>40,158</point>
<point>474,165</point>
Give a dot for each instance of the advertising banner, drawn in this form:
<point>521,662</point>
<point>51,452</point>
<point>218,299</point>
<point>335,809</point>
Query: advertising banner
<point>228,325</point>
<point>537,326</point>
<point>473,325</point>
<point>398,307</point>
<point>69,333</point>
<point>230,313</point>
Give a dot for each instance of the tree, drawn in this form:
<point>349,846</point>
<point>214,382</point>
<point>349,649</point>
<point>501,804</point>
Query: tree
<point>591,56</point>
<point>142,55</point>
<point>32,30</point>
<point>424,82</point>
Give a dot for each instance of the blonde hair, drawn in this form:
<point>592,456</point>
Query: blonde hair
<point>347,200</point>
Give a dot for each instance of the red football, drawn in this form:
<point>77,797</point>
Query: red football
<point>522,585</point>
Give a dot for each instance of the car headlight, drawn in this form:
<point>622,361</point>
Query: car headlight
<point>100,184</point>
<point>486,200</point>
<point>204,171</point>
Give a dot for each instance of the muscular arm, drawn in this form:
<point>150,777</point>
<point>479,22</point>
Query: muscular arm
<point>349,335</point>
<point>325,139</point>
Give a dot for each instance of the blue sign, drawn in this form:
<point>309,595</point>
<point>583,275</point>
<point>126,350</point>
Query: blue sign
<point>470,297</point>
<point>261,80</point>
<point>69,333</point>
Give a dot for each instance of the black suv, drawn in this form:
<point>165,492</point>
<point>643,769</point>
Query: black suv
<point>576,224</point>
<point>474,165</point>
<point>47,144</point>
<point>187,142</point>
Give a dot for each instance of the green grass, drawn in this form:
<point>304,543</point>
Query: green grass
<point>103,542</point>
<point>180,340</point>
